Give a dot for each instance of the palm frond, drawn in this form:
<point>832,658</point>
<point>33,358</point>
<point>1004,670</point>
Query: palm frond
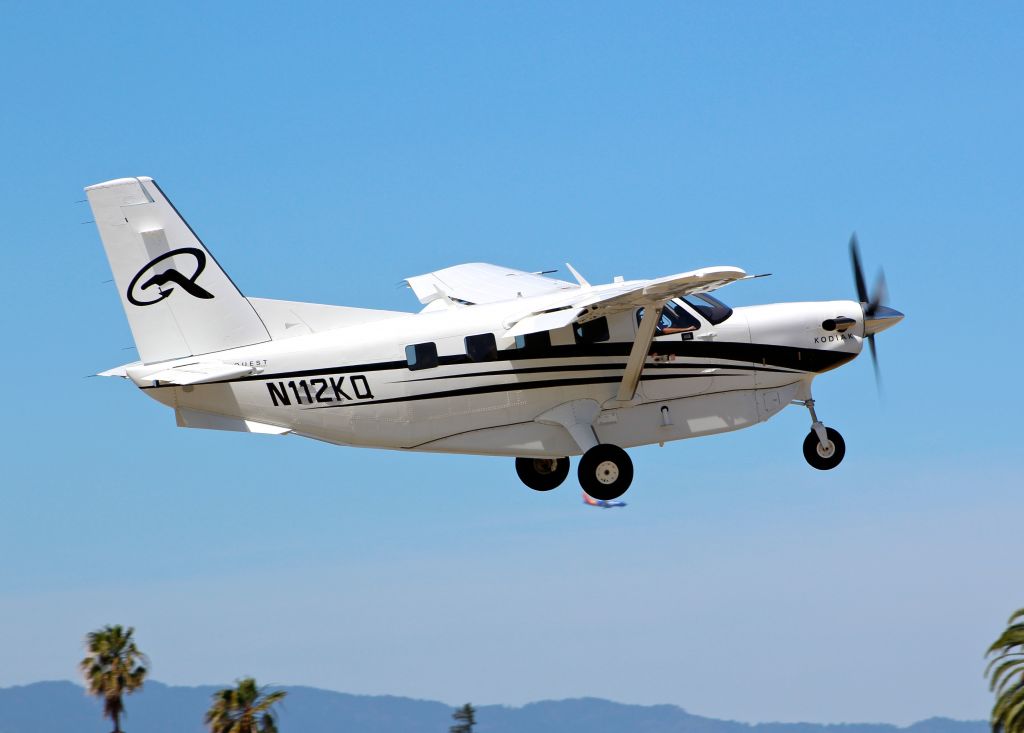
<point>1013,636</point>
<point>245,708</point>
<point>113,667</point>
<point>1010,700</point>
<point>1004,673</point>
<point>1011,714</point>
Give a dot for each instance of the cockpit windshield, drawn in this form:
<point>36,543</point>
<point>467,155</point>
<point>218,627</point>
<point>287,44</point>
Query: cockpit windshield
<point>674,319</point>
<point>714,310</point>
<point>677,319</point>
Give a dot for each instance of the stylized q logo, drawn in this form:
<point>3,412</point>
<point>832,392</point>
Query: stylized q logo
<point>188,284</point>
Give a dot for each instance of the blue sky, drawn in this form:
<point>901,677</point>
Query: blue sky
<point>326,152</point>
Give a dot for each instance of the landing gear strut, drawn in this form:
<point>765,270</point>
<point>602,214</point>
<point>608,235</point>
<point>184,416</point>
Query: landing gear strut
<point>824,447</point>
<point>605,471</point>
<point>542,474</point>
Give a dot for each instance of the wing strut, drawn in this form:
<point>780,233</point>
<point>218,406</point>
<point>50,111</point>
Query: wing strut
<point>638,354</point>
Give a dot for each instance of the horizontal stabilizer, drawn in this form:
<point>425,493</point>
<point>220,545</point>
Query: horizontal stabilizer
<point>195,373</point>
<point>119,371</point>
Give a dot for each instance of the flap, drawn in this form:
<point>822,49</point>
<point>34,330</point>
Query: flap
<point>543,322</point>
<point>480,282</point>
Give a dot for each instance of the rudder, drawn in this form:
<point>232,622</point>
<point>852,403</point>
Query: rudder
<point>178,300</point>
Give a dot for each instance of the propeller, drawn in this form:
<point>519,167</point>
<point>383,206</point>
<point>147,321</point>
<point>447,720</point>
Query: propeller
<point>877,316</point>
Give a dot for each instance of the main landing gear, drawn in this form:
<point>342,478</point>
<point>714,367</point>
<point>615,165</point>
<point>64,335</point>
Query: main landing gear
<point>605,472</point>
<point>824,447</point>
<point>542,474</point>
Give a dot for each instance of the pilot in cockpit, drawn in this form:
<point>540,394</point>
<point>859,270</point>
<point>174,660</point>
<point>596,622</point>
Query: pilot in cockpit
<point>674,319</point>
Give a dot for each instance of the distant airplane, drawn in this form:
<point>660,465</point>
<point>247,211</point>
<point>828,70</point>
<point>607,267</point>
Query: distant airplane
<point>604,504</point>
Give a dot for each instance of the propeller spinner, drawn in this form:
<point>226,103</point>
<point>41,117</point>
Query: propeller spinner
<point>877,317</point>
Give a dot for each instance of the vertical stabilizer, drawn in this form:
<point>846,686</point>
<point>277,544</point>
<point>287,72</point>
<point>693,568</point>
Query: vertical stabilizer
<point>178,300</point>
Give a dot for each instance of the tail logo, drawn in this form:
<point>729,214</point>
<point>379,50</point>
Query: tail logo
<point>188,284</point>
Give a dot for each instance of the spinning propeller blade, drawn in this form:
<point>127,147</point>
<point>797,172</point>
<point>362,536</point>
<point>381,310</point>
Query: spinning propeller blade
<point>874,361</point>
<point>877,316</point>
<point>881,294</point>
<point>858,271</point>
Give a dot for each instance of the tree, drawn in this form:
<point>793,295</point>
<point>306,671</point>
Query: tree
<point>1006,677</point>
<point>466,715</point>
<point>243,709</point>
<point>115,667</point>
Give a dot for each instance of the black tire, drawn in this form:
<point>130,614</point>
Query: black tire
<point>605,471</point>
<point>542,474</point>
<point>823,460</point>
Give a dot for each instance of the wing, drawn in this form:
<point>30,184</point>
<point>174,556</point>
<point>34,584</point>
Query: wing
<point>586,304</point>
<point>548,304</point>
<point>479,282</point>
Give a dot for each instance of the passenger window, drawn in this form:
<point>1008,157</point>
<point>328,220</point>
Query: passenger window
<point>421,356</point>
<point>482,347</point>
<point>539,341</point>
<point>591,332</point>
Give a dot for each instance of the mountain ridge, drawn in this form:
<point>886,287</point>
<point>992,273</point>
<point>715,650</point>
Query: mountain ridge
<point>58,706</point>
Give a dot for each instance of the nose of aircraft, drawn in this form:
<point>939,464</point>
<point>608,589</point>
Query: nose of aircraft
<point>881,318</point>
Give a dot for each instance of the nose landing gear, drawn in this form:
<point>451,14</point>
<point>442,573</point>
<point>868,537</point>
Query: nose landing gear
<point>824,447</point>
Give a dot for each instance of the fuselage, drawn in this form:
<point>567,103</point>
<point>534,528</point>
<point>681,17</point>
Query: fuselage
<point>369,385</point>
<point>500,361</point>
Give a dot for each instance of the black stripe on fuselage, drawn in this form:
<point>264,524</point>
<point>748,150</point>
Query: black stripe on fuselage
<point>481,389</point>
<point>755,356</point>
<point>516,386</point>
<point>608,366</point>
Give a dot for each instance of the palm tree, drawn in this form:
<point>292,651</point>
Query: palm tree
<point>466,717</point>
<point>1006,677</point>
<point>243,709</point>
<point>114,668</point>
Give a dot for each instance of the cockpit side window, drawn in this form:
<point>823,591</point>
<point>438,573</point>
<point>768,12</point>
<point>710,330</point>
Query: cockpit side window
<point>714,310</point>
<point>674,319</point>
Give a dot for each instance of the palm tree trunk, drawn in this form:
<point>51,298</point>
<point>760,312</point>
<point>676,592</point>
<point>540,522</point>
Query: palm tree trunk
<point>117,723</point>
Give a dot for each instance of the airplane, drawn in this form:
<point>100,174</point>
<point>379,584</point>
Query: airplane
<point>603,503</point>
<point>498,361</point>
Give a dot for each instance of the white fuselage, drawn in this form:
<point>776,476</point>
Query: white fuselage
<point>353,385</point>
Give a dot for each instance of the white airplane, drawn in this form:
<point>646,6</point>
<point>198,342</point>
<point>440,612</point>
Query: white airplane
<point>499,361</point>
